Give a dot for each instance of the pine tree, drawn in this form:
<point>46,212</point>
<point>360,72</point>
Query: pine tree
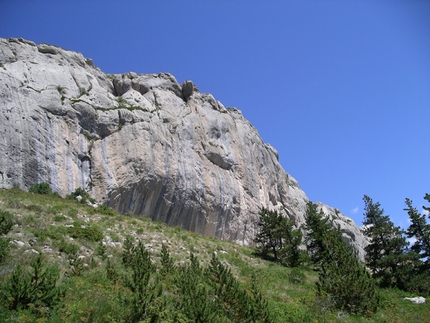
<point>342,279</point>
<point>277,238</point>
<point>317,225</point>
<point>232,299</point>
<point>417,277</point>
<point>270,238</point>
<point>167,265</point>
<point>420,230</point>
<point>386,253</point>
<point>144,290</point>
<point>37,286</point>
<point>5,226</point>
<point>290,254</point>
<point>193,295</point>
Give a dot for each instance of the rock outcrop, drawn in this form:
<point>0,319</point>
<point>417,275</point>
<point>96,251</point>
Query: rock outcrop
<point>142,144</point>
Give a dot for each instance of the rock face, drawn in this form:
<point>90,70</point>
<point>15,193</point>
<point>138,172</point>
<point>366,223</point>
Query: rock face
<point>142,144</point>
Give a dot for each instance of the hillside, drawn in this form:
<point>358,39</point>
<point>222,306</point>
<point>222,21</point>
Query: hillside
<point>85,243</point>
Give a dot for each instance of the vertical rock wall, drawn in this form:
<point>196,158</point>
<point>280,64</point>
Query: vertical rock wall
<point>142,144</point>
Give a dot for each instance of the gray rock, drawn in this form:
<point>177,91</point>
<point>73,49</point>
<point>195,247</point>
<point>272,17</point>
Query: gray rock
<point>187,89</point>
<point>47,49</point>
<point>136,145</point>
<point>416,300</point>
<point>17,243</point>
<point>32,251</point>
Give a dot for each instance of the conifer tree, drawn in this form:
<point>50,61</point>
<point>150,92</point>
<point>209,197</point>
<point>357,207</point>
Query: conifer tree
<point>37,286</point>
<point>386,253</point>
<point>167,265</point>
<point>317,225</point>
<point>417,277</point>
<point>342,279</point>
<point>277,238</point>
<point>420,230</point>
<point>144,289</point>
<point>193,295</point>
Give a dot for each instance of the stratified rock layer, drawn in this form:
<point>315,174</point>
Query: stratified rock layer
<point>142,144</point>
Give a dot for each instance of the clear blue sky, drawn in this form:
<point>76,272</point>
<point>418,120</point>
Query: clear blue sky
<point>340,88</point>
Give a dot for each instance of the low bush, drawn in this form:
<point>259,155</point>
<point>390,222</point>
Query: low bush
<point>83,194</point>
<point>41,188</point>
<point>296,276</point>
<point>89,232</point>
<point>5,226</point>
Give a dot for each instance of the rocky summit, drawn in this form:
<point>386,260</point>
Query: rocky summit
<point>140,143</point>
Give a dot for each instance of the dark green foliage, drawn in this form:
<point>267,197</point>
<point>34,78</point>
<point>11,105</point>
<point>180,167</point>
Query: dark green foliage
<point>260,307</point>
<point>4,249</point>
<point>386,254</point>
<point>317,225</point>
<point>101,250</point>
<point>194,300</point>
<point>127,254</point>
<point>83,194</point>
<point>112,272</point>
<point>68,248</point>
<point>103,209</point>
<point>76,264</point>
<point>87,231</point>
<point>420,230</point>
<point>167,265</point>
<point>416,276</point>
<point>5,226</point>
<point>277,238</point>
<point>144,289</point>
<point>5,222</point>
<point>41,188</point>
<point>296,276</point>
<point>342,279</point>
<point>36,286</point>
<point>232,299</point>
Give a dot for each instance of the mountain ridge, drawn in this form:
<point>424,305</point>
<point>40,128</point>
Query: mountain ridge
<point>142,144</point>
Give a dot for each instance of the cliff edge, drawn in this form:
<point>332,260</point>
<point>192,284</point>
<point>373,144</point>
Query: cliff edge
<point>142,144</point>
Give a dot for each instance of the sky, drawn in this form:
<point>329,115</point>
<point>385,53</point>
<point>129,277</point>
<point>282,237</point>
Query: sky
<point>340,88</point>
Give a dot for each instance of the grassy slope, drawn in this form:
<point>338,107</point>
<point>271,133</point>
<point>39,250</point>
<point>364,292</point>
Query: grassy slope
<point>41,223</point>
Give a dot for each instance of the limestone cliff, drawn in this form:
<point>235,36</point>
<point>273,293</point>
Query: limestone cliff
<point>142,144</point>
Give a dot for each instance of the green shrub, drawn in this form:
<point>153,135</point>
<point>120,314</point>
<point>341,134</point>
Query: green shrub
<point>296,276</point>
<point>105,210</point>
<point>59,218</point>
<point>83,194</point>
<point>41,188</point>
<point>90,232</point>
<point>101,250</point>
<point>5,222</point>
<point>4,249</point>
<point>36,208</point>
<point>50,232</point>
<point>76,264</point>
<point>68,248</point>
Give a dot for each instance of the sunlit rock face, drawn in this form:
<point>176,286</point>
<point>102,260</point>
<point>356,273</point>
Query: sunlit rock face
<point>142,144</point>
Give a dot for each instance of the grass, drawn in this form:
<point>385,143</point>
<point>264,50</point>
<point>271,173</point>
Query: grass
<point>64,231</point>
